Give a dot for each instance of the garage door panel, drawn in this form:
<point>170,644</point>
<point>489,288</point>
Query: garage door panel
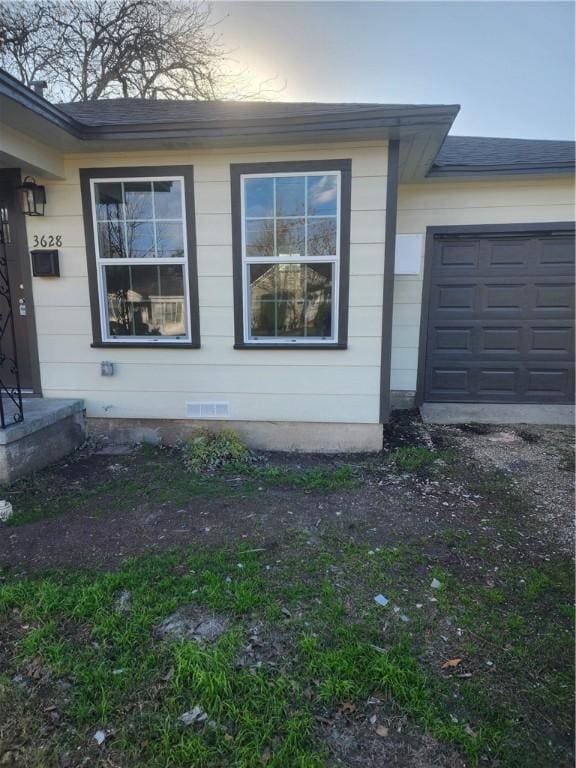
<point>504,382</point>
<point>515,254</point>
<point>499,341</point>
<point>458,256</point>
<point>501,320</point>
<point>551,341</point>
<point>489,298</point>
<point>549,383</point>
<point>450,297</point>
<point>557,252</point>
<point>554,297</point>
<point>502,297</point>
<point>497,382</point>
<point>478,340</point>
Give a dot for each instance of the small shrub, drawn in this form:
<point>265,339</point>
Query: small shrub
<point>414,457</point>
<point>208,451</point>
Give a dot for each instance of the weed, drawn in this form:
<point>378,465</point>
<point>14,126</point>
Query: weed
<point>208,451</point>
<point>317,479</point>
<point>411,458</point>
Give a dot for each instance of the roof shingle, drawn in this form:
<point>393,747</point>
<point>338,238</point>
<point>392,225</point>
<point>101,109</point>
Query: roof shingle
<point>479,152</point>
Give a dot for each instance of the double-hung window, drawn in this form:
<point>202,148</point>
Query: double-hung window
<point>291,244</point>
<point>141,255</point>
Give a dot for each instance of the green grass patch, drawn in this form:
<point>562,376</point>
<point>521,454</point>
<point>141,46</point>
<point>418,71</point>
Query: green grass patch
<point>322,611</point>
<point>411,458</point>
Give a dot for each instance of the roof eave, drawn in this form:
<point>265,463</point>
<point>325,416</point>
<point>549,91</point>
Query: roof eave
<point>511,169</point>
<point>17,92</point>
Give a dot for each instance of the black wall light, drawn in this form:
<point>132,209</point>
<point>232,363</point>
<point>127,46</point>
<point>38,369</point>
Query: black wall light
<point>32,197</point>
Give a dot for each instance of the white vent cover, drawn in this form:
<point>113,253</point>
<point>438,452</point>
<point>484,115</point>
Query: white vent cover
<point>207,410</point>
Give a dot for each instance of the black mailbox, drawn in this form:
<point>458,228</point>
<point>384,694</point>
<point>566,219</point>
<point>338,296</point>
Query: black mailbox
<point>45,263</point>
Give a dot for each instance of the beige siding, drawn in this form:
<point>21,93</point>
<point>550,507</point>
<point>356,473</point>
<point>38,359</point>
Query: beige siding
<point>442,203</point>
<point>287,385</point>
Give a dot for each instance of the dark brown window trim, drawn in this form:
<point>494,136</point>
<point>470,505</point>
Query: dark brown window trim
<point>304,166</point>
<point>145,344</point>
<point>261,345</point>
<point>388,290</point>
<point>187,172</point>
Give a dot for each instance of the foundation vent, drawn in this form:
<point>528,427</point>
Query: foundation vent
<point>207,410</point>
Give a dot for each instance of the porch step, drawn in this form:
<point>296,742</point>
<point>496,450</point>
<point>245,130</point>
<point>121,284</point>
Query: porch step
<point>51,429</point>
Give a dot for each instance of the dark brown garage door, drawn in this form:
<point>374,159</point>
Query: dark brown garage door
<point>501,316</point>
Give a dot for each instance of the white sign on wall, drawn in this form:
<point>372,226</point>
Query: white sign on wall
<point>409,250</point>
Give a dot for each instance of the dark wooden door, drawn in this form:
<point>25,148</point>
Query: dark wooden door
<point>16,248</point>
<point>501,318</point>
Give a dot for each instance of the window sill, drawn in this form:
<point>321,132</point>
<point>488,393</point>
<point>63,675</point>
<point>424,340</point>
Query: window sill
<point>144,345</point>
<point>293,346</point>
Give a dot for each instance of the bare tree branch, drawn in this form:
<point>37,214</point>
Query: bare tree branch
<point>94,49</point>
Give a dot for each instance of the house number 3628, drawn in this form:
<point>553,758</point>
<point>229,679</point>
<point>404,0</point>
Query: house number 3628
<point>47,241</point>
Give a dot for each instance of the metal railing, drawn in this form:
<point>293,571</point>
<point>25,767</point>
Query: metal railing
<point>11,406</point>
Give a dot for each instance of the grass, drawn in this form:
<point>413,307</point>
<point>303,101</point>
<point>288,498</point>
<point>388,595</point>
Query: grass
<point>123,680</point>
<point>324,642</point>
<point>412,458</point>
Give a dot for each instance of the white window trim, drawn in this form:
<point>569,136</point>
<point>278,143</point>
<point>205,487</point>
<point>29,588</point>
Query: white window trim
<point>334,260</point>
<point>102,262</point>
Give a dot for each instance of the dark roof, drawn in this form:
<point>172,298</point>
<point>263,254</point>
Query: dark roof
<point>420,128</point>
<point>151,111</point>
<point>459,155</point>
<point>477,154</point>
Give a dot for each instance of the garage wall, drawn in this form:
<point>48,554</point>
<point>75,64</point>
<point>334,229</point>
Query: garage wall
<point>283,385</point>
<point>442,203</point>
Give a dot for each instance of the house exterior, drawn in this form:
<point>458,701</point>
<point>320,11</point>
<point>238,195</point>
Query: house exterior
<point>292,271</point>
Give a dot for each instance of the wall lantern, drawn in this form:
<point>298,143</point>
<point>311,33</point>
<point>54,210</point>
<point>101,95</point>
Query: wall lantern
<point>32,197</point>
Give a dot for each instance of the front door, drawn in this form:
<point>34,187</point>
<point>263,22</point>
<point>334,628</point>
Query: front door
<point>15,249</point>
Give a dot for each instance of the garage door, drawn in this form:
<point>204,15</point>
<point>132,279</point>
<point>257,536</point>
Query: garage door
<point>501,317</point>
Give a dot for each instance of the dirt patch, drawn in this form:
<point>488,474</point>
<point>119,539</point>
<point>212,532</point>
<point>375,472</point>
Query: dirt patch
<point>385,509</point>
<point>377,736</point>
<point>188,623</point>
<point>390,505</point>
<point>536,460</point>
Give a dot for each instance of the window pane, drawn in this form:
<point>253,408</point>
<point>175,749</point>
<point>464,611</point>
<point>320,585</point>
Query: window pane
<point>290,300</point>
<point>259,236</point>
<point>145,300</point>
<point>263,281</point>
<point>290,237</point>
<point>322,195</point>
<point>108,196</point>
<point>138,199</point>
<point>140,236</point>
<point>111,243</point>
<point>322,237</point>
<point>290,196</point>
<point>259,197</point>
<point>262,278</point>
<point>168,199</point>
<point>170,240</point>
<point>319,300</point>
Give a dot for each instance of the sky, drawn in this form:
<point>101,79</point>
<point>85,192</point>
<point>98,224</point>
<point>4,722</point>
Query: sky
<point>509,64</point>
